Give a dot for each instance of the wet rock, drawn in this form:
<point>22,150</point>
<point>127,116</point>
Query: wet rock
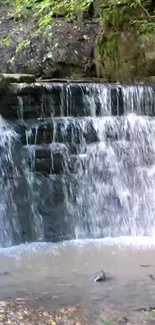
<point>91,134</point>
<point>9,106</point>
<point>74,133</point>
<point>75,149</point>
<point>38,134</point>
<point>151,276</point>
<point>59,131</point>
<point>117,107</point>
<point>77,107</point>
<point>53,205</point>
<point>25,89</point>
<point>44,133</point>
<point>101,277</point>
<point>54,99</point>
<point>58,163</point>
<point>41,153</point>
<point>47,162</point>
<point>31,105</point>
<point>76,164</point>
<point>43,165</point>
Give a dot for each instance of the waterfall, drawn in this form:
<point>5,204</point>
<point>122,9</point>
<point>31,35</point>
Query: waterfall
<point>79,162</point>
<point>19,220</point>
<point>116,195</point>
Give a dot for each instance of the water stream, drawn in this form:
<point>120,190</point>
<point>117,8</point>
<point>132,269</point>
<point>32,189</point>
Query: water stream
<point>77,161</point>
<point>77,164</point>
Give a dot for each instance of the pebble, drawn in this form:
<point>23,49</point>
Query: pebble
<point>46,314</point>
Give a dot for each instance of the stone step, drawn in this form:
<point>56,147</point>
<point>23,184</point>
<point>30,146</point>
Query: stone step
<point>36,100</point>
<point>78,133</point>
<point>71,131</point>
<point>54,159</point>
<point>121,143</point>
<point>7,78</point>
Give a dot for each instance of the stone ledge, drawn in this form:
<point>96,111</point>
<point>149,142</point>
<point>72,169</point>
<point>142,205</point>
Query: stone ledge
<point>16,78</point>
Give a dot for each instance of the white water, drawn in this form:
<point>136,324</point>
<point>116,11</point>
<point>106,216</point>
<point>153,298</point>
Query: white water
<point>116,194</point>
<point>107,182</point>
<point>100,99</point>
<point>137,243</point>
<point>15,191</point>
<point>110,199</point>
<point>9,222</point>
<point>111,192</point>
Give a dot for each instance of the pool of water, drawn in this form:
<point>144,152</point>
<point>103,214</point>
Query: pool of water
<point>63,273</point>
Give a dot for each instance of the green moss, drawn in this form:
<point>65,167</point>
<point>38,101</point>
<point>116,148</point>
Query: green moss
<point>117,18</point>
<point>120,17</point>
<point>106,52</point>
<point>16,78</point>
<point>108,45</point>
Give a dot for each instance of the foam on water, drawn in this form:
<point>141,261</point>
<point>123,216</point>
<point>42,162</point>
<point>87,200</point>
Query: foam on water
<point>37,248</point>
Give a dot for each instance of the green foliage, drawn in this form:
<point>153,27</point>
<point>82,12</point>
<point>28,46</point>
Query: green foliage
<point>115,16</point>
<point>108,45</point>
<point>123,15</point>
<point>132,16</point>
<point>42,11</point>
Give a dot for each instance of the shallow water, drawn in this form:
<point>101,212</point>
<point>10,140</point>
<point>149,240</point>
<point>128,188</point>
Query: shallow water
<point>63,273</point>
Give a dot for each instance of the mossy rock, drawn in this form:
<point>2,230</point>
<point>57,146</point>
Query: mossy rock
<point>16,78</point>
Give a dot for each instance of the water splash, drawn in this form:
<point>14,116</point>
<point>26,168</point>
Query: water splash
<point>117,191</point>
<point>139,99</point>
<point>15,191</point>
<point>104,183</point>
<point>98,99</point>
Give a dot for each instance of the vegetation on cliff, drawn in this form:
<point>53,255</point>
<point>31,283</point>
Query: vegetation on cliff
<point>134,17</point>
<point>115,17</point>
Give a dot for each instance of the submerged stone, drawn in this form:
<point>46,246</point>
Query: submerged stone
<point>101,277</point>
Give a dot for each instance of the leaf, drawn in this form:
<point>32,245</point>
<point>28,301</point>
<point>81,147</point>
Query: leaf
<point>6,41</point>
<point>22,45</point>
<point>11,61</point>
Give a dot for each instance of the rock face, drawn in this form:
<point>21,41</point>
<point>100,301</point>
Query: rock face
<point>70,51</point>
<point>135,60</point>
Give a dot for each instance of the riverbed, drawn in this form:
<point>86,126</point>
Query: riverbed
<point>62,274</point>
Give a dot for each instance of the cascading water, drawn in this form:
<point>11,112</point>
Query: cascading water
<point>91,151</point>
<point>116,195</point>
<point>18,218</point>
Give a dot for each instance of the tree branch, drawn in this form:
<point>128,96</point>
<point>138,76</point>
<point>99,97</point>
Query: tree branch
<point>145,10</point>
